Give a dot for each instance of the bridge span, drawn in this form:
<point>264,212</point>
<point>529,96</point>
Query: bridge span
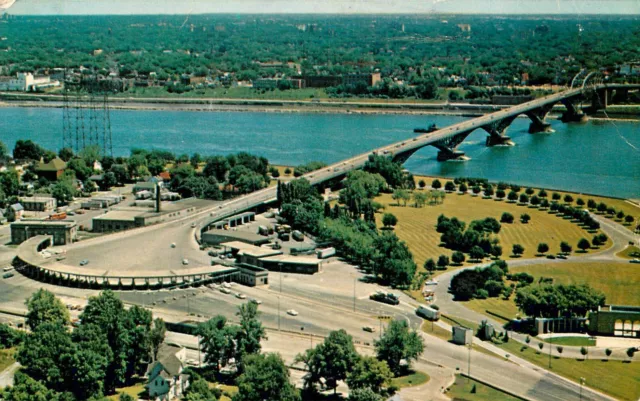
<point>446,140</point>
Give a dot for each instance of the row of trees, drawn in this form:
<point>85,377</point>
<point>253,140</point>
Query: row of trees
<point>475,240</point>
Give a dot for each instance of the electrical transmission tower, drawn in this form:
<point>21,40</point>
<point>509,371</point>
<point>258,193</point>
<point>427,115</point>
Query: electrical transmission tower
<point>86,120</point>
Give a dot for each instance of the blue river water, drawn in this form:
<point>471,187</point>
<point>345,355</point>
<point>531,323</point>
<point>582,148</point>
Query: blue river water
<point>599,157</point>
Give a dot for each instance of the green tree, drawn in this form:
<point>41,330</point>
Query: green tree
<point>217,342</point>
<point>156,336</point>
<point>250,332</point>
<point>436,184</point>
<point>90,361</point>
<point>517,249</point>
<point>565,247</point>
<point>199,390</point>
<point>513,196</point>
<point>458,257</point>
<point>420,199</point>
<point>476,253</point>
<point>543,248</point>
<point>26,388</point>
<point>443,262</point>
<point>335,358</point>
<point>65,154</point>
<point>389,220</point>
<point>398,343</point>
<point>584,244</point>
<point>525,218</point>
<point>364,394</point>
<point>44,307</point>
<point>48,354</point>
<point>368,372</point>
<point>553,301</point>
<point>265,377</point>
<point>430,265</point>
<point>401,195</point>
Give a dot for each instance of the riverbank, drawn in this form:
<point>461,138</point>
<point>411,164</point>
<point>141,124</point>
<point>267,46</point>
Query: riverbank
<point>622,112</point>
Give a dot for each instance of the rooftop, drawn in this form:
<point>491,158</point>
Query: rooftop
<point>56,164</point>
<point>126,215</point>
<point>292,259</point>
<point>29,222</point>
<point>251,250</point>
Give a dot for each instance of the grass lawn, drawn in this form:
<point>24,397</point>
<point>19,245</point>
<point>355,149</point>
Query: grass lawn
<point>436,330</point>
<point>618,281</point>
<point>416,226</point>
<point>616,378</point>
<point>461,389</point>
<point>572,341</point>
<point>6,358</point>
<point>499,306</point>
<point>629,252</point>
<point>227,391</point>
<point>137,390</point>
<point>415,378</point>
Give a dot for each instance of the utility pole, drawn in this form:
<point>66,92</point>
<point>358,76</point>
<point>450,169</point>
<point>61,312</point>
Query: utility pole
<point>582,381</point>
<point>550,346</point>
<point>469,362</point>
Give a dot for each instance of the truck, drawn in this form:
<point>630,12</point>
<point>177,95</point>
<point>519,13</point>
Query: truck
<point>58,216</point>
<point>263,230</point>
<point>386,298</point>
<point>297,235</point>
<point>284,236</point>
<point>326,252</point>
<point>428,313</point>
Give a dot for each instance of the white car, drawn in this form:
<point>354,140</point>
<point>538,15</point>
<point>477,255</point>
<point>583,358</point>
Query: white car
<point>431,282</point>
<point>226,285</point>
<point>185,261</point>
<point>292,312</point>
<point>255,301</point>
<point>240,296</point>
<point>225,290</point>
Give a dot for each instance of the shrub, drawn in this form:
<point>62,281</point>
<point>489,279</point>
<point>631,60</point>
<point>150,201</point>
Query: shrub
<point>506,218</point>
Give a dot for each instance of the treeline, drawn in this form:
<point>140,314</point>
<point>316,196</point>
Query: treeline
<point>211,177</point>
<point>402,47</point>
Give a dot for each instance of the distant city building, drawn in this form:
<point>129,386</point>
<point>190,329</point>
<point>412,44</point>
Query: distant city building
<point>63,231</point>
<point>26,82</point>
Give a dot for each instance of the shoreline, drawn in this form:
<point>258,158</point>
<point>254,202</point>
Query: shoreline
<point>467,110</point>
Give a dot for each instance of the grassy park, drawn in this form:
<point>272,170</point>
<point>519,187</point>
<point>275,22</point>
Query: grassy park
<point>630,252</point>
<point>602,375</point>
<point>416,226</point>
<point>618,281</point>
<point>578,341</point>
<point>414,378</point>
<point>464,389</point>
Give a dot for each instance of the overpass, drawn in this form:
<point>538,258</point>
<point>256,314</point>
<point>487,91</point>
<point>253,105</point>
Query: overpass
<point>447,139</point>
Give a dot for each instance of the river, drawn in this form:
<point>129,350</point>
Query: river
<point>599,157</point>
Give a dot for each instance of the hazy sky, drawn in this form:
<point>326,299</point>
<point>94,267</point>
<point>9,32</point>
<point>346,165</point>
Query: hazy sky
<point>326,6</point>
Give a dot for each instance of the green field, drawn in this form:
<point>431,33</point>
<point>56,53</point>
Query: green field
<point>416,226</point>
<point>630,252</point>
<point>618,281</point>
<point>571,341</point>
<point>461,391</point>
<point>6,358</point>
<point>136,391</point>
<point>415,378</point>
<point>616,378</point>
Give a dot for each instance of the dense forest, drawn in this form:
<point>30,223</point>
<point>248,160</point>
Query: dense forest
<point>548,49</point>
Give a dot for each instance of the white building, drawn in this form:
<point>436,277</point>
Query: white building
<point>165,380</point>
<point>26,82</point>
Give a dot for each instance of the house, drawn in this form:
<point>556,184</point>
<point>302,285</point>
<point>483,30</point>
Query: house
<point>51,170</point>
<point>165,380</point>
<point>165,176</point>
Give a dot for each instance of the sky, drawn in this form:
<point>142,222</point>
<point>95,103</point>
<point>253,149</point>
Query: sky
<point>69,7</point>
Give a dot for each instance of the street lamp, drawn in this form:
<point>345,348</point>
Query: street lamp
<point>582,382</point>
<point>550,346</point>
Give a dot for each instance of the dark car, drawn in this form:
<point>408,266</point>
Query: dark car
<point>7,275</point>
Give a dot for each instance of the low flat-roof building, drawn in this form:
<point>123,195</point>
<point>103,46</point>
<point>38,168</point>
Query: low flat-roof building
<point>38,203</point>
<point>217,237</point>
<point>615,320</point>
<point>291,264</point>
<point>249,254</point>
<point>116,220</point>
<point>63,231</point>
<point>252,275</point>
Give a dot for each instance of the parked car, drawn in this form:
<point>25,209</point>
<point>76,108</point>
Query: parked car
<point>7,275</point>
<point>84,262</point>
<point>240,295</point>
<point>225,290</point>
<point>185,261</point>
<point>255,301</point>
<point>369,329</point>
<point>292,312</point>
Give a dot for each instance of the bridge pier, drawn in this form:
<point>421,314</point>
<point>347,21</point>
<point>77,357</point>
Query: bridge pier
<point>452,155</point>
<point>448,148</point>
<point>537,116</point>
<point>499,140</point>
<point>573,113</point>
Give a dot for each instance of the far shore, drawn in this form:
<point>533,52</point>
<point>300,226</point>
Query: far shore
<point>290,106</point>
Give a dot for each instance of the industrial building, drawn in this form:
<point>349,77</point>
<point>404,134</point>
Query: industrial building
<point>26,82</point>
<point>292,264</point>
<point>38,203</point>
<point>217,237</point>
<point>63,231</point>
